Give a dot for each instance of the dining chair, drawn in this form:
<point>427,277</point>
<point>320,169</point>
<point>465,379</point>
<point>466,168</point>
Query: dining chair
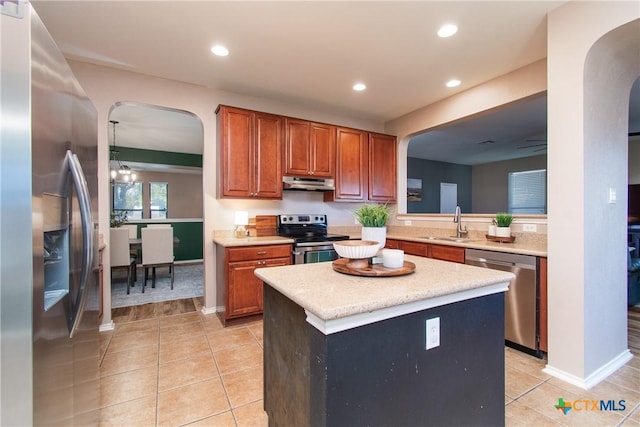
<point>157,251</point>
<point>133,230</point>
<point>119,253</point>
<point>159,225</point>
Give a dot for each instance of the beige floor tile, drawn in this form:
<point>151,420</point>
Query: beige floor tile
<point>526,363</point>
<point>129,360</point>
<point>224,419</point>
<point>627,377</point>
<point>544,398</point>
<point>121,342</point>
<point>238,358</point>
<point>251,415</point>
<point>183,349</point>
<point>181,331</point>
<point>186,371</point>
<point>127,386</point>
<point>140,325</point>
<point>518,382</point>
<point>179,319</point>
<point>191,403</point>
<point>138,412</point>
<point>230,338</point>
<point>634,362</point>
<point>257,330</point>
<point>635,415</point>
<point>211,323</point>
<point>244,386</point>
<point>517,414</point>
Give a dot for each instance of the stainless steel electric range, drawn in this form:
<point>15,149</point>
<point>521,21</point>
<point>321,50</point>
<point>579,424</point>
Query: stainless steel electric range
<point>312,242</point>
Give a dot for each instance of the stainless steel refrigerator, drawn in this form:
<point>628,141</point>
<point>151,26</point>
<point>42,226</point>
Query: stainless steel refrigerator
<point>49,300</point>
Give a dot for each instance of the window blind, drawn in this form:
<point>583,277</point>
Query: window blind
<point>528,192</point>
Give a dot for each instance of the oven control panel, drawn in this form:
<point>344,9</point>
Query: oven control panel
<point>303,219</point>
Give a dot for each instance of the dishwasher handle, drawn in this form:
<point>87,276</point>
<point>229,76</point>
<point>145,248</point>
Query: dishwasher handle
<point>501,263</point>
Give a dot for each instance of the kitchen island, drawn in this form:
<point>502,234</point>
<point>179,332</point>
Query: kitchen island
<point>349,350</point>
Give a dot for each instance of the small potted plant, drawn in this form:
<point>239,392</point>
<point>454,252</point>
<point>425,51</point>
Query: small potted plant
<point>373,218</point>
<point>117,219</point>
<point>503,224</point>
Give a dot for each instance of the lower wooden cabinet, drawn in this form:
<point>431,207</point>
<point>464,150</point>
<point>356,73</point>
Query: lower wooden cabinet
<point>240,289</point>
<point>428,250</point>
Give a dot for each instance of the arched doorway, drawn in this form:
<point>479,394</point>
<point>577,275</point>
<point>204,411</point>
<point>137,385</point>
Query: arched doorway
<point>164,147</point>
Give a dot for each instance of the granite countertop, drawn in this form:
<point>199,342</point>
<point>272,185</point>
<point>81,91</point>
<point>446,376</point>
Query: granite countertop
<point>334,301</point>
<point>228,241</point>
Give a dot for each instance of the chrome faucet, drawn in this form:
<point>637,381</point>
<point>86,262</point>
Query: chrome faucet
<point>460,231</point>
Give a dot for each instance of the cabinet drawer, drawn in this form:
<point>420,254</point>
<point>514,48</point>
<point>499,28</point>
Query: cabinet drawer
<point>446,253</point>
<point>247,253</point>
<point>414,248</point>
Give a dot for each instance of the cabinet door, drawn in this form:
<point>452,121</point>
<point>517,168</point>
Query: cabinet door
<point>275,262</point>
<point>235,132</point>
<point>297,148</point>
<point>322,140</point>
<point>446,253</point>
<point>382,168</point>
<point>244,293</point>
<point>268,156</point>
<point>351,165</point>
<point>392,244</point>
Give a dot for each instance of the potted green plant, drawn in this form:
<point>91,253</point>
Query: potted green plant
<point>373,218</point>
<point>117,219</point>
<point>503,222</point>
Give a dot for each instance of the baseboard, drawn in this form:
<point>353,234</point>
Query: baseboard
<point>209,310</point>
<point>595,378</point>
<point>107,326</point>
<point>189,261</point>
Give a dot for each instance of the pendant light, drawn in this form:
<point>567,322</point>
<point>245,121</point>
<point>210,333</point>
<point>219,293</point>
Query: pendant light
<point>119,169</point>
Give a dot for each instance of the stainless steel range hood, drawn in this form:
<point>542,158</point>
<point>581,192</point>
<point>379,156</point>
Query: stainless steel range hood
<point>307,184</point>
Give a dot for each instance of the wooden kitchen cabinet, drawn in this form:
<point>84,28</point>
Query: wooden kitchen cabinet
<point>542,313</point>
<point>392,244</point>
<point>414,248</point>
<point>446,253</point>
<point>241,290</point>
<point>365,167</point>
<point>310,149</point>
<point>250,161</point>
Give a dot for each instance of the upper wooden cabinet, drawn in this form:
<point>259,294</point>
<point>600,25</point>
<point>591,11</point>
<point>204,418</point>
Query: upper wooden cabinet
<point>250,153</point>
<point>309,149</point>
<point>366,167</point>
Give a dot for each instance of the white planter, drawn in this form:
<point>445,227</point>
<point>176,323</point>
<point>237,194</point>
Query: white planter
<point>377,234</point>
<point>503,231</point>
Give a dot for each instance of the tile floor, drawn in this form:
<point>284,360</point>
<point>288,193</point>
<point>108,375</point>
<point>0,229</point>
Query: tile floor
<point>186,369</point>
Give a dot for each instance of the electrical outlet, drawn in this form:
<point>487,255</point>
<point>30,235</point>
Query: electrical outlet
<point>530,228</point>
<point>433,333</point>
<point>407,222</point>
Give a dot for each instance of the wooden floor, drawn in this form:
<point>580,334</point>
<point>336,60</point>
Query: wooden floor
<point>634,330</point>
<point>155,310</point>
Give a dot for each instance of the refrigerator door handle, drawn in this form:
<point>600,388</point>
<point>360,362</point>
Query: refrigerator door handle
<point>84,202</point>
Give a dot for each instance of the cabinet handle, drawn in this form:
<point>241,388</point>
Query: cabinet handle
<point>262,252</point>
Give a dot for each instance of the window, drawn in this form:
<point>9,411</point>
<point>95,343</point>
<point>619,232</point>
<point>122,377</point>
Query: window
<point>127,199</point>
<point>158,203</point>
<point>528,192</point>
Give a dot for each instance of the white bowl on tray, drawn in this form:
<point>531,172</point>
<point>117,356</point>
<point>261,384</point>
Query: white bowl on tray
<point>356,249</point>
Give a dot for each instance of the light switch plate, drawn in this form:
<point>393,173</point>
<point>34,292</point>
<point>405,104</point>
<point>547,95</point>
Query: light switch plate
<point>530,228</point>
<point>407,222</point>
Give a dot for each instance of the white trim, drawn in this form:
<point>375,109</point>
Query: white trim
<point>595,378</point>
<point>208,310</point>
<point>162,221</point>
<point>333,326</point>
<point>107,326</point>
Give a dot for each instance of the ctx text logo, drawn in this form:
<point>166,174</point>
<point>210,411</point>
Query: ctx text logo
<point>590,405</point>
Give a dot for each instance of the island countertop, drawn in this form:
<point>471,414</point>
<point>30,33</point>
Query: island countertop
<point>335,302</point>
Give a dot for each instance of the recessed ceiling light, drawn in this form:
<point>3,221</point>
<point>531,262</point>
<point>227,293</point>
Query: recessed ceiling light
<point>220,50</point>
<point>447,30</point>
<point>453,83</point>
<point>359,87</point>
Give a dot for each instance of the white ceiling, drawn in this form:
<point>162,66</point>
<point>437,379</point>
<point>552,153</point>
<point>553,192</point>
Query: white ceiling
<point>308,53</point>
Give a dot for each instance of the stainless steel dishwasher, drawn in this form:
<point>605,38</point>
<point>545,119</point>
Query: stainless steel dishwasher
<point>520,309</point>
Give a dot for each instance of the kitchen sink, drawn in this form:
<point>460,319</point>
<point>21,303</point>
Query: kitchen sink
<point>448,239</point>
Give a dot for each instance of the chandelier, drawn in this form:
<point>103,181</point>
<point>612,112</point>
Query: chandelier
<point>119,169</point>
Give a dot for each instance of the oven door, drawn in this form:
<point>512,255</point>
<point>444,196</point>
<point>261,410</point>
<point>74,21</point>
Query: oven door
<point>305,253</point>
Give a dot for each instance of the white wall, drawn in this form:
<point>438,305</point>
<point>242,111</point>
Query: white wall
<point>107,86</point>
<point>588,103</point>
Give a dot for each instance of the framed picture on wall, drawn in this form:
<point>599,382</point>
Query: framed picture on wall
<point>414,190</point>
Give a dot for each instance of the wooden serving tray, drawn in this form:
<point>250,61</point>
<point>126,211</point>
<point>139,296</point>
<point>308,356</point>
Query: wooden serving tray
<point>372,270</point>
<point>501,239</point>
